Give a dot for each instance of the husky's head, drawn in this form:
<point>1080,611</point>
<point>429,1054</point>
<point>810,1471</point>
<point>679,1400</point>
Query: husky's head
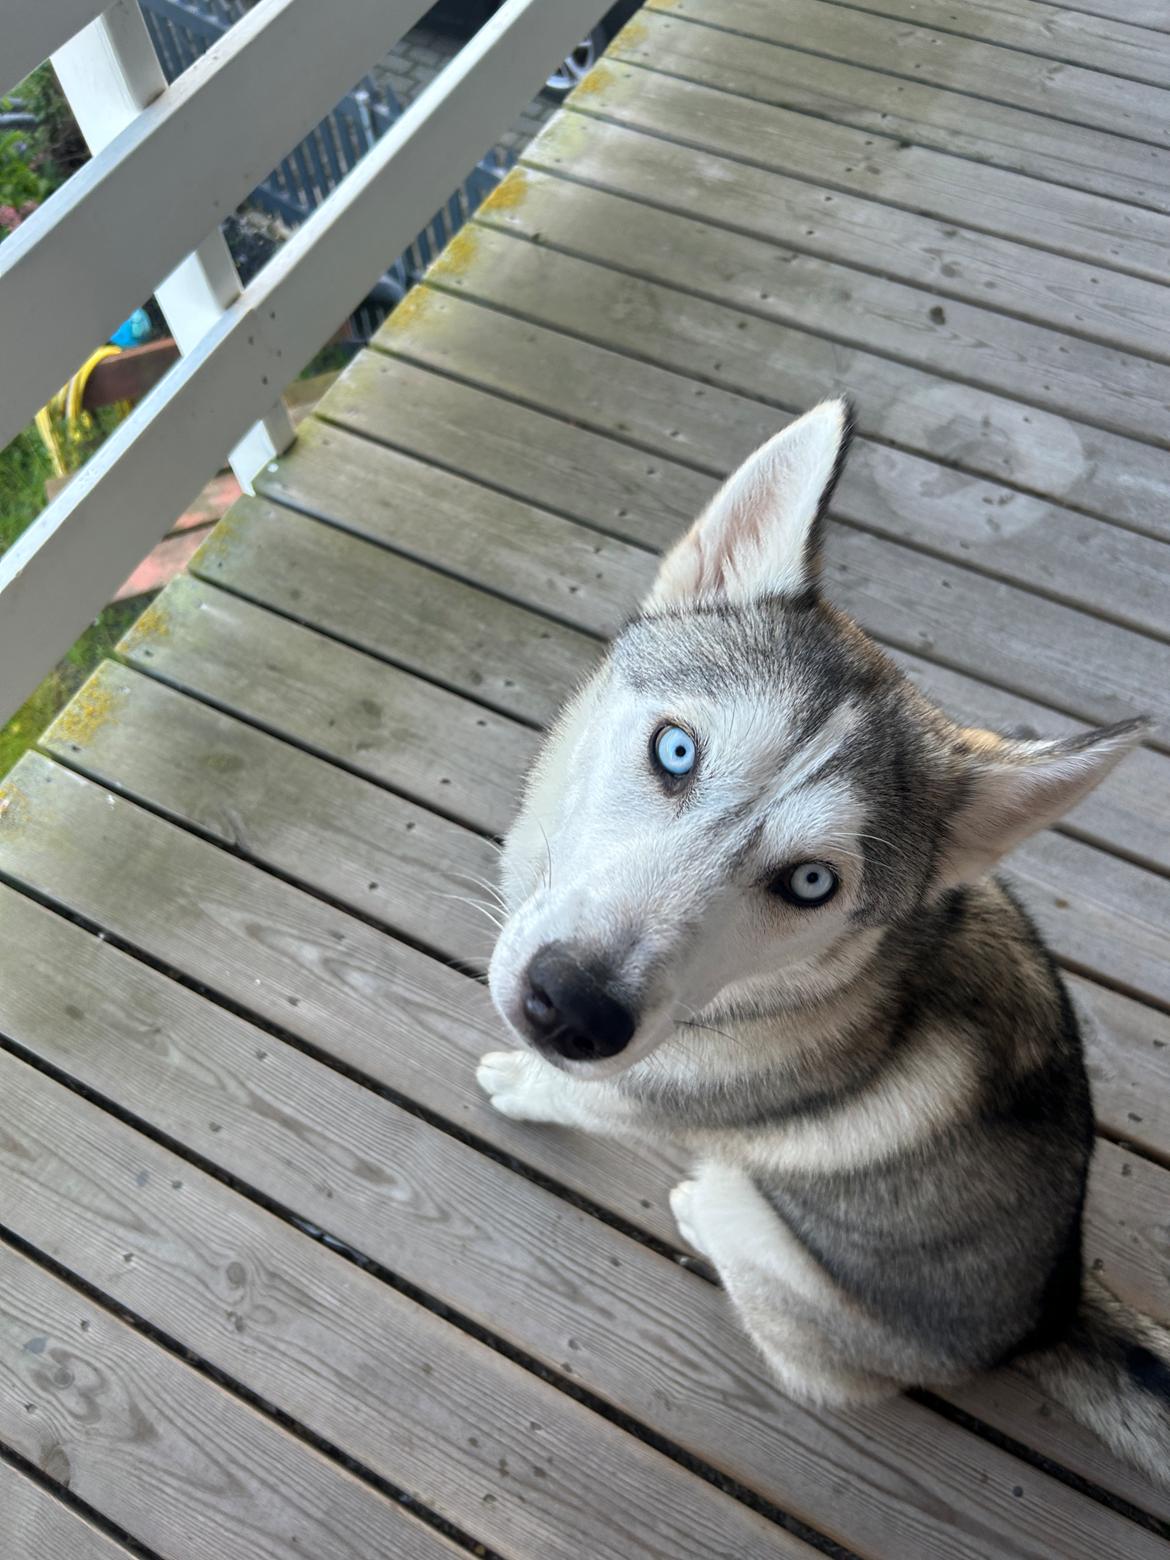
<point>748,791</point>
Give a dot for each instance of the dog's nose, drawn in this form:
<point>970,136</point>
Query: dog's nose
<point>570,1012</point>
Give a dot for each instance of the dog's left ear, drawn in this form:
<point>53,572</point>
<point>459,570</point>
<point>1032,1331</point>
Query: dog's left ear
<point>1014,788</point>
<point>761,534</point>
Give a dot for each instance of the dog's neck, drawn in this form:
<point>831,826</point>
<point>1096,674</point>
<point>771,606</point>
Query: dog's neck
<point>797,992</point>
<point>776,1040</point>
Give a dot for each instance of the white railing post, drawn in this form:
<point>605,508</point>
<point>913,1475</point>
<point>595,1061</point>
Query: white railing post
<point>109,72</point>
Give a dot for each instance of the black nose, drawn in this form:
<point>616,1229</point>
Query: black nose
<point>570,1011</point>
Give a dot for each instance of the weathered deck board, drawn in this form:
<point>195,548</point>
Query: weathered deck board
<point>1068,295</point>
<point>255,972</point>
<point>165,1453</point>
<point>399,1020</point>
<point>590,580</point>
<point>503,444</point>
<point>666,415</point>
<point>515,662</point>
<point>153,746</point>
<point>881,165</point>
<point>495,1246</point>
<point>1051,31</point>
<point>371,717</point>
<point>961,341</point>
<point>1079,94</point>
<point>35,1523</point>
<point>722,349</point>
<point>356,482</point>
<point>475,1437</point>
<point>269,801</point>
<point>1019,141</point>
<point>1146,13</point>
<point>981,525</point>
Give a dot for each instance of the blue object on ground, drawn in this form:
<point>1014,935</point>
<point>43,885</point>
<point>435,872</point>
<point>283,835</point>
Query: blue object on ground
<point>137,328</point>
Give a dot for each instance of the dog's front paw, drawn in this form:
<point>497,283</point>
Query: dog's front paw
<point>682,1205</point>
<point>514,1081</point>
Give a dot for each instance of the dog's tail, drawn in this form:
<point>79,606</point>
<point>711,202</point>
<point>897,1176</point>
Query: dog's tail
<point>1112,1372</point>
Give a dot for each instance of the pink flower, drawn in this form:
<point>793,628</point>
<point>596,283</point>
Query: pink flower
<point>12,216</point>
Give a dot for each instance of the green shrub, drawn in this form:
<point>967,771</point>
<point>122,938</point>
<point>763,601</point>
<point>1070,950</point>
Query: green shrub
<point>24,469</point>
<point>20,183</point>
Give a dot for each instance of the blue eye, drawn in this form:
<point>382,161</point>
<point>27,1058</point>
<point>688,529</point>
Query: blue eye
<point>807,885</point>
<point>674,750</point>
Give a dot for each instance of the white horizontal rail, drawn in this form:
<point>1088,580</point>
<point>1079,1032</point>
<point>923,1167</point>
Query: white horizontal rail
<point>97,248</point>
<point>30,30</point>
<point>68,563</point>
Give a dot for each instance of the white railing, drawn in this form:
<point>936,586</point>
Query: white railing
<point>142,217</point>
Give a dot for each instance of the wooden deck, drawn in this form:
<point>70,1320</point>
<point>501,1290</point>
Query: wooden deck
<point>274,1281</point>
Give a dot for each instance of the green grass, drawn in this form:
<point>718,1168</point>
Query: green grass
<point>24,469</point>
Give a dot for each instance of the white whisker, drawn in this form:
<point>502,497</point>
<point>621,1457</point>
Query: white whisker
<point>839,850</point>
<point>484,910</point>
<point>877,838</point>
<point>548,853</point>
<point>478,882</point>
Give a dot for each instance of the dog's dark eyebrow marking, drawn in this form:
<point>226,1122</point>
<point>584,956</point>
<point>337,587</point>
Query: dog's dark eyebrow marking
<point>832,765</point>
<point>749,843</point>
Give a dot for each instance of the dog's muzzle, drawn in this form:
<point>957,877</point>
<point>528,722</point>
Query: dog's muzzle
<point>569,1008</point>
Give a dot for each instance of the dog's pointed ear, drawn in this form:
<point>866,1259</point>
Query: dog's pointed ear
<point>1013,788</point>
<point>761,534</point>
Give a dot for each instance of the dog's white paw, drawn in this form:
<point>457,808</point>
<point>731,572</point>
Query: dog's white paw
<point>514,1081</point>
<point>682,1205</point>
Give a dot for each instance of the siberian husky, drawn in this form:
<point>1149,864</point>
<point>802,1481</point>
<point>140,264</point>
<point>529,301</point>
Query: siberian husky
<point>748,911</point>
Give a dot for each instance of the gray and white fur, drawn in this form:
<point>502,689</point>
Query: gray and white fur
<point>749,913</point>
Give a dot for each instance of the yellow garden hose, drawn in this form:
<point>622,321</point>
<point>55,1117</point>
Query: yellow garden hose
<point>68,407</point>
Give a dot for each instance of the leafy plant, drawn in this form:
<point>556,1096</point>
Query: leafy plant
<point>56,146</point>
<point>35,159</point>
<point>24,469</point>
<point>22,188</point>
<point>19,180</point>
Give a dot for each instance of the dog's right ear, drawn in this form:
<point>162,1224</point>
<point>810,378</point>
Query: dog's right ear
<point>761,534</point>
